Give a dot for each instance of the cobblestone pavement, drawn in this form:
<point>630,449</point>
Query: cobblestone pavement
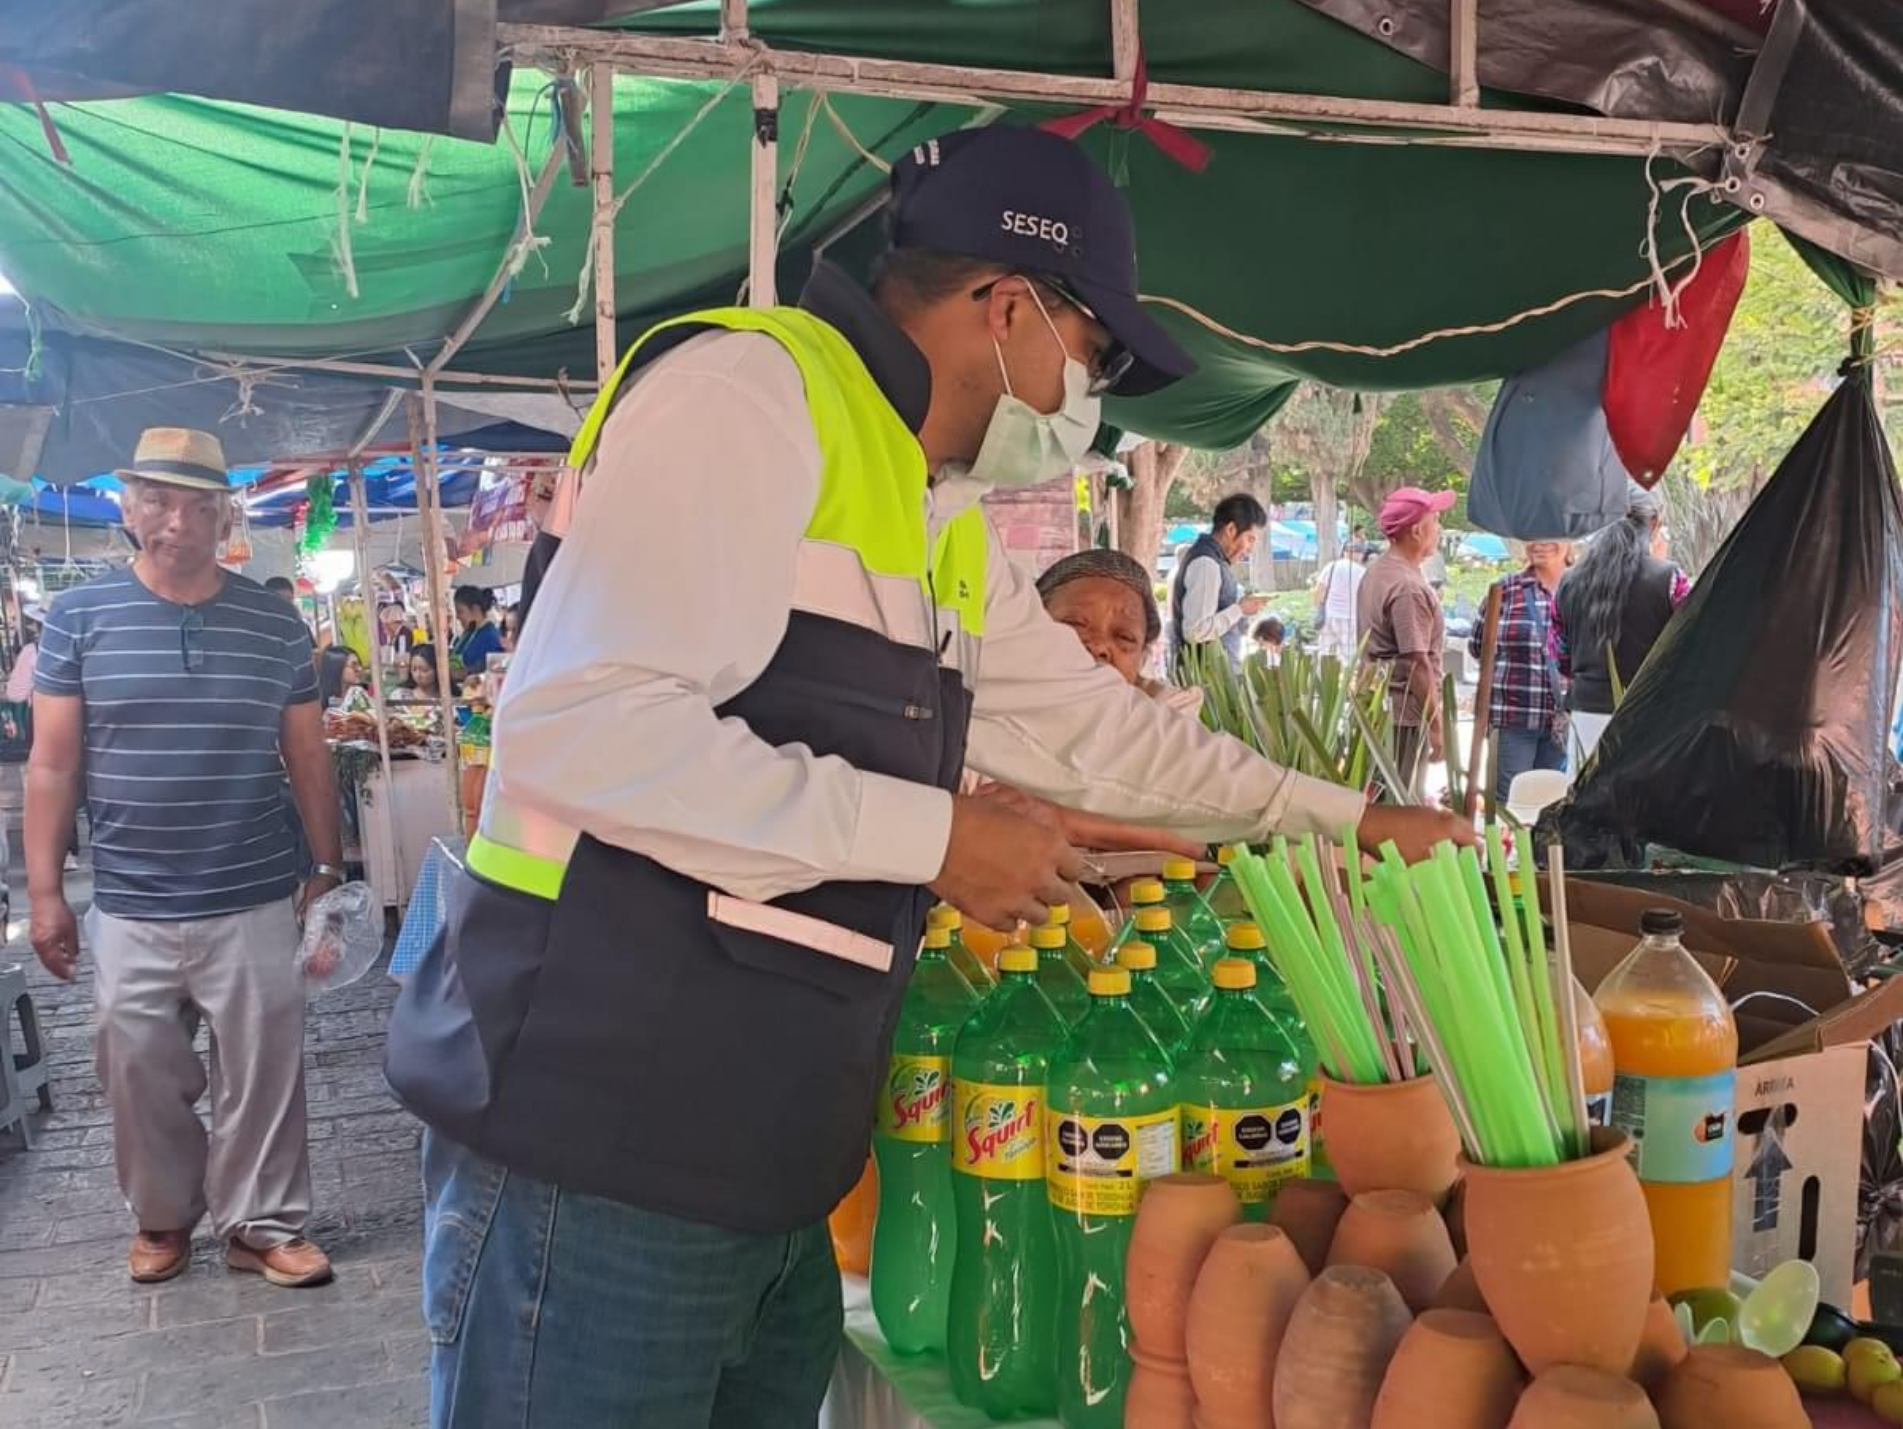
<point>81,1347</point>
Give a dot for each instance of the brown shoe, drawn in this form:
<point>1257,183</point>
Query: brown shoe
<point>293,1263</point>
<point>159,1255</point>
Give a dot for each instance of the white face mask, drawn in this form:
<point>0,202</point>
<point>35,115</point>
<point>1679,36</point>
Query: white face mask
<point>1026,447</point>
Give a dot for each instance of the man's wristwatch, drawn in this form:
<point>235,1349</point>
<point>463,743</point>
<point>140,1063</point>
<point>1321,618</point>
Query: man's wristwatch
<point>329,870</point>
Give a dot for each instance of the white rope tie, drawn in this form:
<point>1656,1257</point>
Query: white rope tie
<point>527,242</point>
<point>585,284</point>
<point>419,175</point>
<point>844,130</point>
<point>340,240</point>
<point>363,184</point>
<point>1664,290</point>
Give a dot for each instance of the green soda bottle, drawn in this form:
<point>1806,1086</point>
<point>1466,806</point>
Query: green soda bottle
<point>1189,910</point>
<point>1244,1094</point>
<point>1144,893</point>
<point>1152,1003</point>
<point>911,1140</point>
<point>1112,1129</point>
<point>1000,1351</point>
<point>1178,968</point>
<point>1245,940</point>
<point>1080,959</point>
<point>1062,983</point>
<point>1224,896</point>
<point>970,966</point>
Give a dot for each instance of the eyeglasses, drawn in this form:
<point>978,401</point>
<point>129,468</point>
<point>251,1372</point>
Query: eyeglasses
<point>190,653</point>
<point>1111,366</point>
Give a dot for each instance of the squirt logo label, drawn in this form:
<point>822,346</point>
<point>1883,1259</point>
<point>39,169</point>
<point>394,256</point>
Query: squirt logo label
<point>914,1106</point>
<point>999,1132</point>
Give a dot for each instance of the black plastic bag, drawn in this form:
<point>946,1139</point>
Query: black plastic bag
<point>1756,731</point>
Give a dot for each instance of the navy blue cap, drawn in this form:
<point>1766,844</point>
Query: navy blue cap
<point>1037,204</point>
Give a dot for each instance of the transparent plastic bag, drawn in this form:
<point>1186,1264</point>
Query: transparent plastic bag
<point>343,937</point>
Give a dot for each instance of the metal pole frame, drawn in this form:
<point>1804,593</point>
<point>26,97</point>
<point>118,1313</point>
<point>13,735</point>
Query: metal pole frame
<point>1193,106</point>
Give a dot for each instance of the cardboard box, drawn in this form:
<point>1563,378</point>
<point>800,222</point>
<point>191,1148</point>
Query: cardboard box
<point>1803,1035</point>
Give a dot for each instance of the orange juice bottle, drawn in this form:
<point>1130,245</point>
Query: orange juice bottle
<point>987,943</point>
<point>1675,1056</point>
<point>1597,1071</point>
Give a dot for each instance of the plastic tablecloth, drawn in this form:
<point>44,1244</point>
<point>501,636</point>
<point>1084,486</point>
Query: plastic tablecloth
<point>873,1388</point>
<point>429,905</point>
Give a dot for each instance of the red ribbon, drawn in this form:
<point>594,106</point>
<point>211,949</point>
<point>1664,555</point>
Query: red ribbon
<point>25,86</point>
<point>1179,144</point>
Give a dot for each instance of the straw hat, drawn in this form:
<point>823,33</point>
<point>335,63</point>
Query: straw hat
<point>178,456</point>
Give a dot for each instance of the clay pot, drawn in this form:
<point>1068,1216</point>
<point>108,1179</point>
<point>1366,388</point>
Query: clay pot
<point>1244,1299</point>
<point>1453,1371</point>
<point>1336,1350</point>
<point>1661,1346</point>
<point>1400,1234</point>
<point>1460,1292</point>
<point>1573,1397</point>
<point>1563,1256</point>
<point>1159,1396</point>
<point>1179,1220</point>
<point>1308,1211</point>
<point>1397,1136</point>
<point>852,1220</point>
<point>1455,1214</point>
<point>1732,1386</point>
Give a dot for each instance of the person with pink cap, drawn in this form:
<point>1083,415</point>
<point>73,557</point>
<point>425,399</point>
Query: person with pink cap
<point>1400,616</point>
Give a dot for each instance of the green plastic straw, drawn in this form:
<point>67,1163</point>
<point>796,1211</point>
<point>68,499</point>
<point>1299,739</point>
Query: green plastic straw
<point>1361,984</point>
<point>1537,965</point>
<point>1527,1050</point>
<point>1516,957</point>
<point>1351,856</point>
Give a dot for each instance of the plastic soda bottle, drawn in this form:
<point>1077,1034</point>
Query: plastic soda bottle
<point>1223,896</point>
<point>1111,1130</point>
<point>1243,1088</point>
<point>970,966</point>
<point>1001,1353</point>
<point>1244,940</point>
<point>1061,982</point>
<point>911,1141</point>
<point>1152,1003</point>
<point>1675,1054</point>
<point>1597,1071</point>
<point>1190,911</point>
<point>1079,956</point>
<point>1144,893</point>
<point>1178,968</point>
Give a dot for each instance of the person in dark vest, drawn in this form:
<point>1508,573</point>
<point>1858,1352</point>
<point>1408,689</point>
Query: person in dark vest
<point>647,1044</point>
<point>1206,600</point>
<point>1611,608</point>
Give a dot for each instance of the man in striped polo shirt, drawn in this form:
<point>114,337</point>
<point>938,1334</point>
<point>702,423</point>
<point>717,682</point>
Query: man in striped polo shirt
<point>181,695</point>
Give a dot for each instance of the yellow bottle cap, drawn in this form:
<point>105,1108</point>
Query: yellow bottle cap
<point>938,937</point>
<point>1109,982</point>
<point>1060,915</point>
<point>1146,890</point>
<point>1177,870</point>
<point>945,916</point>
<point>1235,974</point>
<point>1139,956</point>
<point>1226,855</point>
<point>1048,937</point>
<point>1153,920</point>
<point>1017,959</point>
<point>1246,937</point>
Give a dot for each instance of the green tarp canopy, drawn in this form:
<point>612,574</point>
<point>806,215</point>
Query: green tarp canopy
<point>202,226</point>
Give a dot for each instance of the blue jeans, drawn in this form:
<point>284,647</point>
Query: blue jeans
<point>1523,749</point>
<point>553,1310</point>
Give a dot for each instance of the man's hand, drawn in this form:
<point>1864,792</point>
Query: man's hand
<point>1253,604</point>
<point>1002,867</point>
<point>1414,831</point>
<point>314,888</point>
<point>54,932</point>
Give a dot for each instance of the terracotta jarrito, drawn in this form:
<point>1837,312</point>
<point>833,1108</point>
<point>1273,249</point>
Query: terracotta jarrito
<point>1732,1386</point>
<point>1179,1219</point>
<point>1452,1371</point>
<point>1661,1346</point>
<point>1573,1397</point>
<point>1400,1234</point>
<point>1392,1136</point>
<point>1158,1396</point>
<point>1238,1315</point>
<point>1309,1210</point>
<point>1461,1292</point>
<point>1563,1255</point>
<point>1336,1350</point>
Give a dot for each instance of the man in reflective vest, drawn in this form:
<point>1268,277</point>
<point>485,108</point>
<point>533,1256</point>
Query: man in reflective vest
<point>722,800</point>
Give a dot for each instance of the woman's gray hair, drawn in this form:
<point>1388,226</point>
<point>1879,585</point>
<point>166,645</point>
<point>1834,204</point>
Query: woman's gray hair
<point>1109,566</point>
<point>1603,577</point>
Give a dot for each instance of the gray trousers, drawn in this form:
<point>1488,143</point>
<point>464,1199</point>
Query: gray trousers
<point>153,983</point>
